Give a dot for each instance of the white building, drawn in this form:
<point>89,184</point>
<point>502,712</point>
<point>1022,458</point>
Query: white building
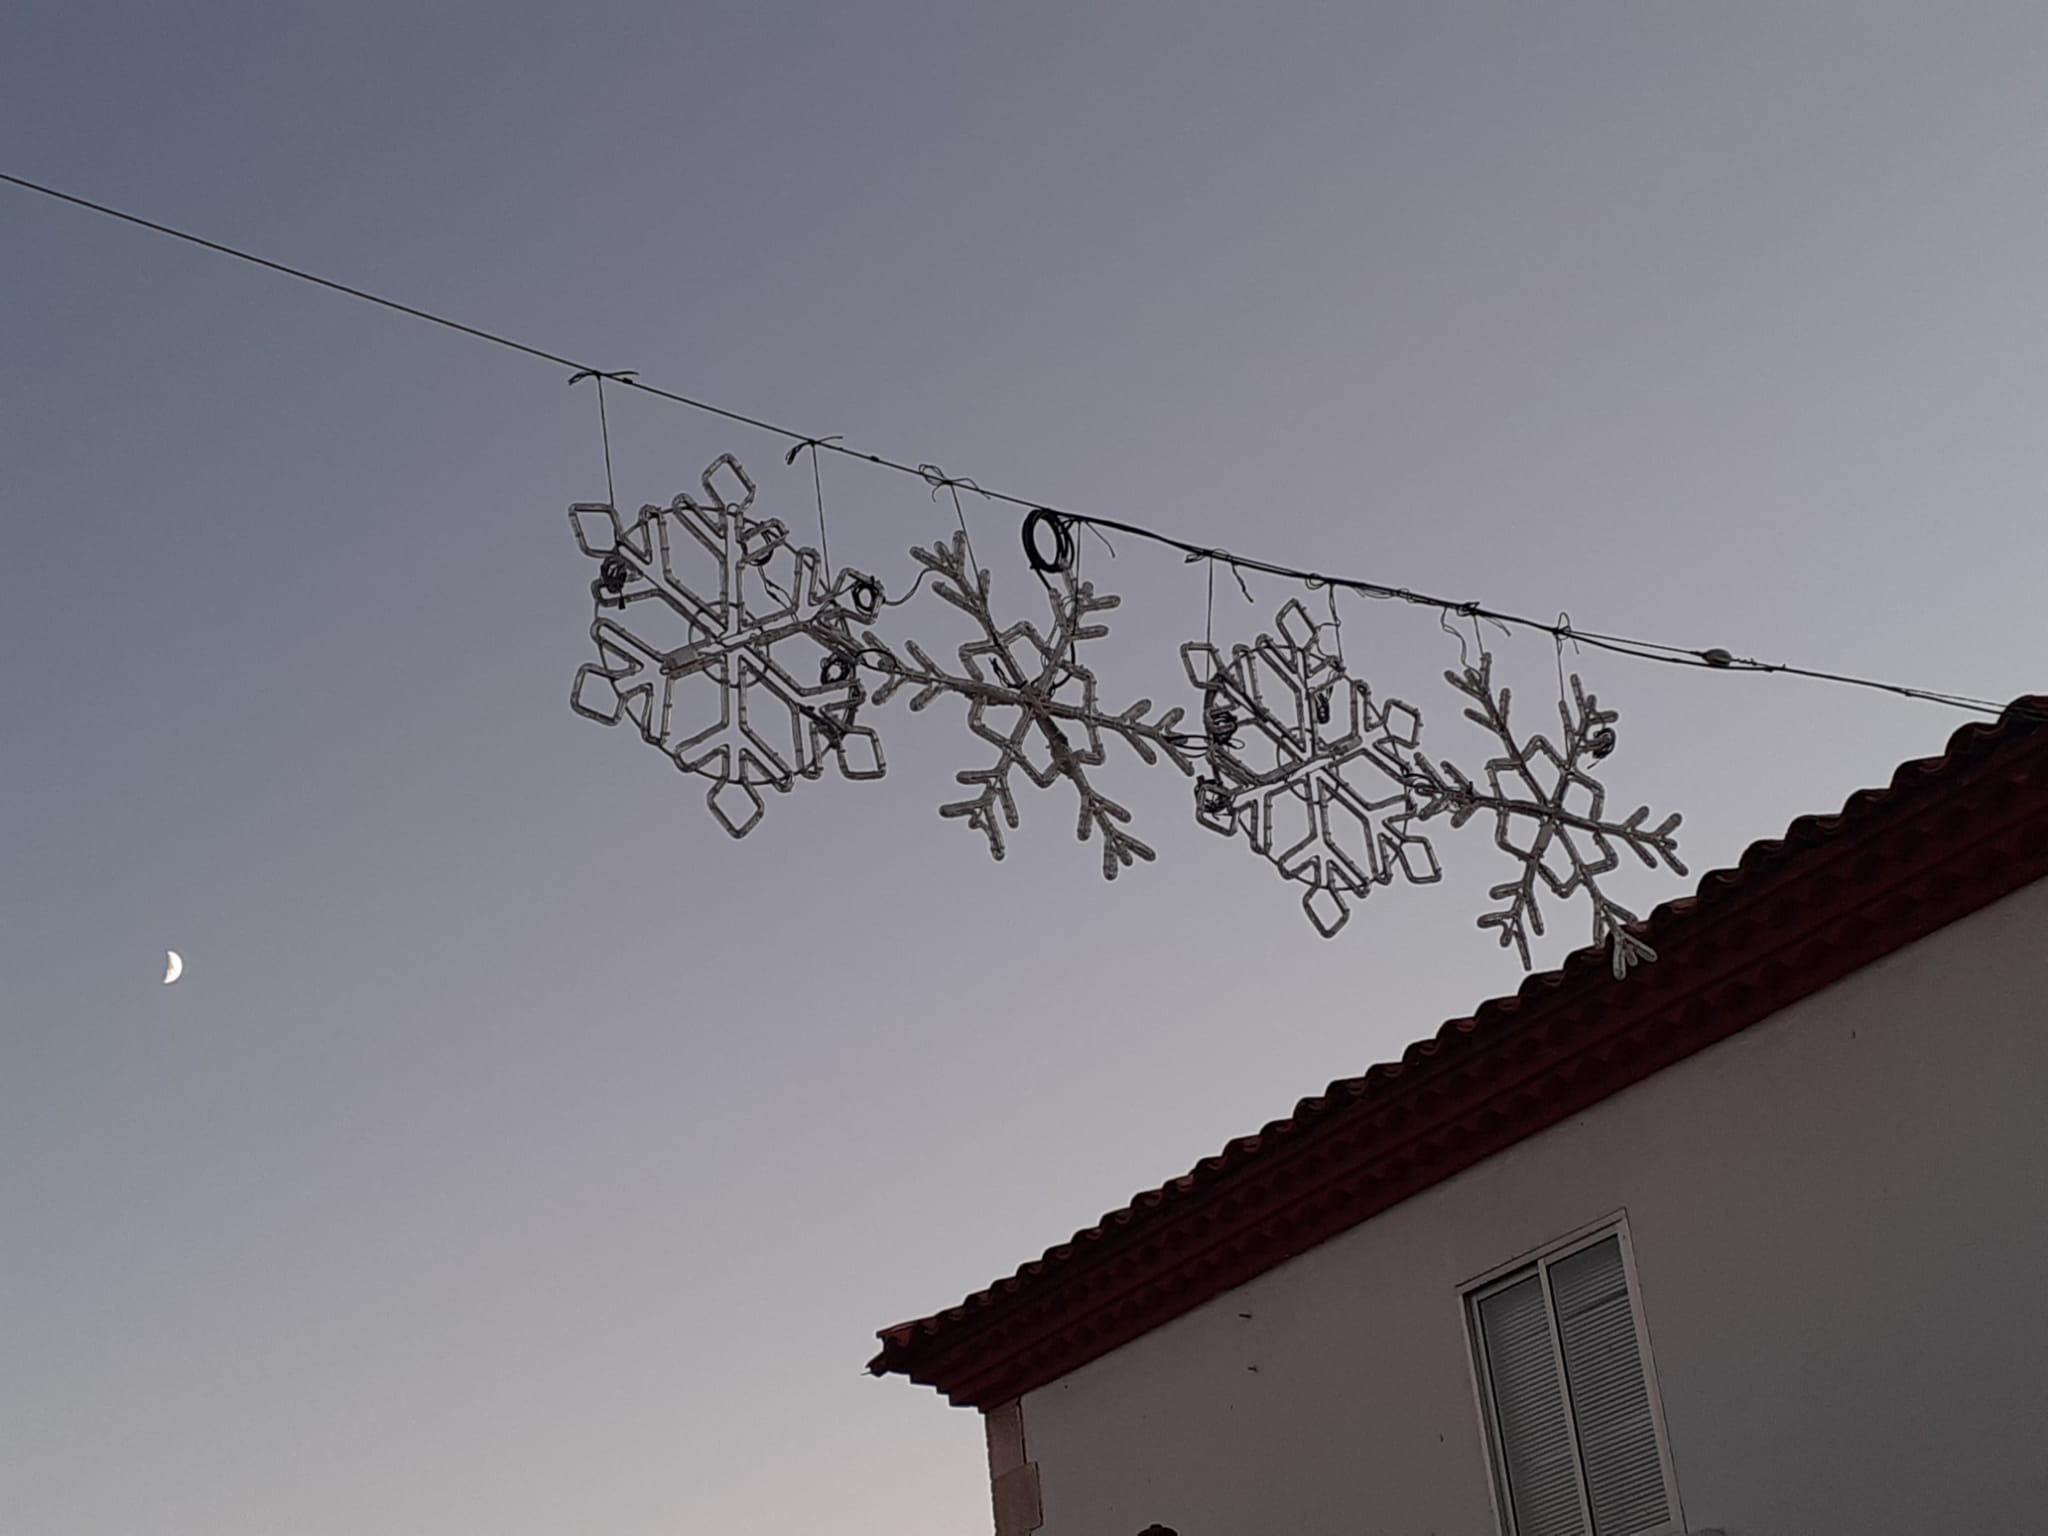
<point>1754,1241</point>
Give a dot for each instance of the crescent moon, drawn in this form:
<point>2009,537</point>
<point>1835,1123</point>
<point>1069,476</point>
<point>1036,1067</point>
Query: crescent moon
<point>174,966</point>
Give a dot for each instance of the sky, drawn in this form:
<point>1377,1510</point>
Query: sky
<point>521,1154</point>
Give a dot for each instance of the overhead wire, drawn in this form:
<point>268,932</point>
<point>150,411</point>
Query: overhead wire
<point>1714,658</point>
<point>1061,522</point>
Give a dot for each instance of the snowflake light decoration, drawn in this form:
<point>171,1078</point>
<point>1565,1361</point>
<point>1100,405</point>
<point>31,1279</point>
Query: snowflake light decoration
<point>1545,796</point>
<point>763,676</point>
<point>1031,698</point>
<point>1328,799</point>
<point>664,645</point>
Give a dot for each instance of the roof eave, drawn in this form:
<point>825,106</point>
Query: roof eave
<point>1946,837</point>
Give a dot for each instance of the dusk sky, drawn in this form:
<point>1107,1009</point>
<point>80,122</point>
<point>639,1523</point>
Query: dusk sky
<point>521,1155</point>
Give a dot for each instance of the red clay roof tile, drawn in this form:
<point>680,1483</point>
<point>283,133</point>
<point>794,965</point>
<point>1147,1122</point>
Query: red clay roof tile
<point>1946,837</point>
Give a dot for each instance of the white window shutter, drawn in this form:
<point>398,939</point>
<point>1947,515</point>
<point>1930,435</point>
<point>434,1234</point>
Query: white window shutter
<point>1610,1399</point>
<point>1541,1465</point>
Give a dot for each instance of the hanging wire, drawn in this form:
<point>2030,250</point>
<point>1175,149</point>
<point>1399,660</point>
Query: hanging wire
<point>939,480</point>
<point>1714,657</point>
<point>1209,620</point>
<point>1564,633</point>
<point>1230,564</point>
<point>611,495</point>
<point>1443,622</point>
<point>818,485</point>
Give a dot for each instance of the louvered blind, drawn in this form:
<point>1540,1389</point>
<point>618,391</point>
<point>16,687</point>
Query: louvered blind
<point>1542,1470</point>
<point>1610,1400</point>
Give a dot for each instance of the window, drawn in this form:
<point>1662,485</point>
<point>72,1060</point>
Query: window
<point>1569,1399</point>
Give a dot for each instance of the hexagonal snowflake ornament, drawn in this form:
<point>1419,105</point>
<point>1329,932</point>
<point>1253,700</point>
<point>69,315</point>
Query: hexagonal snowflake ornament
<point>1308,768</point>
<point>714,673</point>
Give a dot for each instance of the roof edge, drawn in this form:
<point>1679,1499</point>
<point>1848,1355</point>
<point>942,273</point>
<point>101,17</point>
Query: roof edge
<point>1947,837</point>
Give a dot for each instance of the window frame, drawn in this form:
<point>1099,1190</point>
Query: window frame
<point>1538,1261</point>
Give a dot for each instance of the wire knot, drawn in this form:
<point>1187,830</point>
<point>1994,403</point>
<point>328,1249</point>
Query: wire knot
<point>812,443</point>
<point>939,480</point>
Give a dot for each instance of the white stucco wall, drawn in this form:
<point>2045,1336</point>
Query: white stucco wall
<point>1840,1222</point>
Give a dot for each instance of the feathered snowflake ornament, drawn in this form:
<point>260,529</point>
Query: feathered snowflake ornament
<point>1550,815</point>
<point>1030,697</point>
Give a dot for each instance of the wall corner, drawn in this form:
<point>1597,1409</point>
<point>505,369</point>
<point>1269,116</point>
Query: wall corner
<point>1012,1475</point>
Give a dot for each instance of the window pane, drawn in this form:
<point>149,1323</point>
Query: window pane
<point>1609,1397</point>
<point>1528,1398</point>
